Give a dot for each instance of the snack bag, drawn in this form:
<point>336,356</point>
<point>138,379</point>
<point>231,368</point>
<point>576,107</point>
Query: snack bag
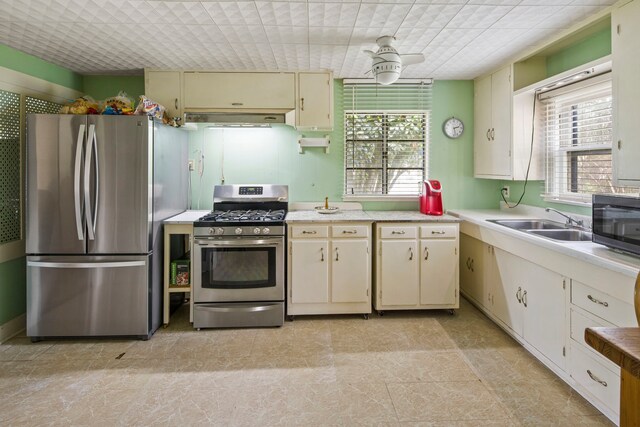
<point>150,108</point>
<point>83,105</point>
<point>119,104</point>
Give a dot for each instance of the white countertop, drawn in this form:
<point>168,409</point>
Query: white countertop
<point>366,216</point>
<point>587,251</point>
<point>186,217</point>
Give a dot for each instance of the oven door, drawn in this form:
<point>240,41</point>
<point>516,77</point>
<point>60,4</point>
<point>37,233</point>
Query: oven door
<point>241,269</point>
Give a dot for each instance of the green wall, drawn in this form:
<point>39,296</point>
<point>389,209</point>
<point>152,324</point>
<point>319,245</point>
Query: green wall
<point>271,155</point>
<point>13,293</point>
<point>101,87</point>
<point>593,47</point>
<point>29,64</point>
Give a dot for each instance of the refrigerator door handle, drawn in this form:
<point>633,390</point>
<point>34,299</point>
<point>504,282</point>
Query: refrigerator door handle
<point>76,183</point>
<point>85,264</point>
<point>87,181</point>
<point>97,183</point>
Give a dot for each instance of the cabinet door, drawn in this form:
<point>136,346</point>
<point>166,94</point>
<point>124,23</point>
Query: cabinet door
<point>399,272</point>
<point>508,288</point>
<point>309,271</point>
<point>482,127</point>
<point>438,271</point>
<point>315,101</point>
<point>164,88</point>
<point>350,271</point>
<point>229,91</point>
<point>625,47</point>
<point>501,94</point>
<point>472,269</point>
<point>544,311</point>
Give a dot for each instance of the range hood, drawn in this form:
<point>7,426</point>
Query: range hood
<point>235,119</point>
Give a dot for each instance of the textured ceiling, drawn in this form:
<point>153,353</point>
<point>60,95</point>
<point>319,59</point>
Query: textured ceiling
<point>460,39</point>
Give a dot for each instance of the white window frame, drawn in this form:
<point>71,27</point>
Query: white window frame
<point>558,173</point>
<point>387,197</point>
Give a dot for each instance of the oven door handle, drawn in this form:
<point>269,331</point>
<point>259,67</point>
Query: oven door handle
<point>261,242</point>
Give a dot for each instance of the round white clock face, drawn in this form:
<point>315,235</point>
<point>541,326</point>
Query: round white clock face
<point>453,127</point>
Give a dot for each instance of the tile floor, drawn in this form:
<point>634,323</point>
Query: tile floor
<point>406,368</point>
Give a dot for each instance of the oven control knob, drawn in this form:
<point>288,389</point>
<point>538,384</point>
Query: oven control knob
<point>256,230</point>
<point>219,230</point>
<point>266,231</point>
<point>211,231</point>
<point>238,230</point>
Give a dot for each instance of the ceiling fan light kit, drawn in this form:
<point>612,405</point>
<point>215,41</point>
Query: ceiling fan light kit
<point>387,63</point>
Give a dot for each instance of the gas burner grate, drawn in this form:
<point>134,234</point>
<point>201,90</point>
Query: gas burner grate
<point>245,215</point>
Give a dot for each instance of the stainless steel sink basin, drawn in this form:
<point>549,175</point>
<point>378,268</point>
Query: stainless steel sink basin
<point>530,224</point>
<point>571,235</point>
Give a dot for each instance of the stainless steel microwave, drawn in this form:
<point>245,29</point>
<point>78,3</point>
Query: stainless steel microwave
<point>616,222</point>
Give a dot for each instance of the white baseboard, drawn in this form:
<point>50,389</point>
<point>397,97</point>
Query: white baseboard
<point>13,327</point>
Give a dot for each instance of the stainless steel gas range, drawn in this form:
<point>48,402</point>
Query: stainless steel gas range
<point>239,259</point>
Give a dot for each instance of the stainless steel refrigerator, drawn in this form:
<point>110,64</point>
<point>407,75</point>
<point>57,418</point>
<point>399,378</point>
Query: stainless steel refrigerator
<point>97,191</point>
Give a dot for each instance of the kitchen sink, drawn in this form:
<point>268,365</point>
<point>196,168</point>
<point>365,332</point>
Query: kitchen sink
<point>530,224</point>
<point>571,235</point>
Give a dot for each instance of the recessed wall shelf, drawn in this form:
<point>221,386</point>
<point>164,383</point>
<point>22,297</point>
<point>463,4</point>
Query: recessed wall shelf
<point>313,143</point>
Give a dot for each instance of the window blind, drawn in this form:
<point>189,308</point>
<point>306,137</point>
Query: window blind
<point>386,138</point>
<point>577,129</point>
<point>9,167</point>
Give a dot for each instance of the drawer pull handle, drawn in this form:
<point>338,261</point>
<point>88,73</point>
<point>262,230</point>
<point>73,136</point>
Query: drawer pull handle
<point>237,104</point>
<point>437,232</point>
<point>309,232</point>
<point>410,254</point>
<point>337,255</point>
<point>349,232</point>
<point>597,301</point>
<point>518,294</point>
<point>397,232</point>
<point>596,379</point>
<point>524,298</point>
<point>321,254</point>
<point>426,253</point>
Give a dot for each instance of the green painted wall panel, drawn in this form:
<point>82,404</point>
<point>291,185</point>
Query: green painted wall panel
<point>271,155</point>
<point>594,47</point>
<point>33,66</point>
<point>13,293</point>
<point>101,87</point>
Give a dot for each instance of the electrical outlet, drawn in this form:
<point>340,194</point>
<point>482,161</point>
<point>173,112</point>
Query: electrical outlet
<point>192,165</point>
<point>506,191</point>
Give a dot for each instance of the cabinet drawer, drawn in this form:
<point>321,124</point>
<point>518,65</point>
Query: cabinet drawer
<point>580,322</point>
<point>309,231</point>
<point>596,378</point>
<point>602,305</point>
<point>391,232</point>
<point>438,231</point>
<point>349,231</point>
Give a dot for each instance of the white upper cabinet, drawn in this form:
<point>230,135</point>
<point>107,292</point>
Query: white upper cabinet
<point>314,109</point>
<point>625,47</point>
<point>163,87</point>
<point>492,127</point>
<point>239,91</point>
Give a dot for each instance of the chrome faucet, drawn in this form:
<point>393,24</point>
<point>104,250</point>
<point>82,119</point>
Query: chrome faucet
<point>570,220</point>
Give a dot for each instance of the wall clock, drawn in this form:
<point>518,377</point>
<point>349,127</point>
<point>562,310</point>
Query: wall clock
<point>453,127</point>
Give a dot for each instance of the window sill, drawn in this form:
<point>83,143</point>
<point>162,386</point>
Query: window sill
<point>376,198</point>
<point>558,200</point>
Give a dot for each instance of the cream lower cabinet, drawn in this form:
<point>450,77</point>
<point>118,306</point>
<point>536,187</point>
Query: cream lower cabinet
<point>531,300</point>
<point>329,268</point>
<point>416,266</point>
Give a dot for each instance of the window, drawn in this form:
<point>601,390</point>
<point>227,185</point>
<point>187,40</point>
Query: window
<point>386,139</point>
<point>385,153</point>
<point>10,215</point>
<point>578,137</point>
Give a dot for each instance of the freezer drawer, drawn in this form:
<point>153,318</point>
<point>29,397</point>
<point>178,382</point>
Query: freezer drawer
<point>87,296</point>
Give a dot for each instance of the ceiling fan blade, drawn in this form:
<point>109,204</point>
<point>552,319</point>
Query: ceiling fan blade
<point>412,58</point>
<point>370,53</point>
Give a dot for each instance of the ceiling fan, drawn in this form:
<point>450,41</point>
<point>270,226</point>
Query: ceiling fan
<point>387,62</point>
